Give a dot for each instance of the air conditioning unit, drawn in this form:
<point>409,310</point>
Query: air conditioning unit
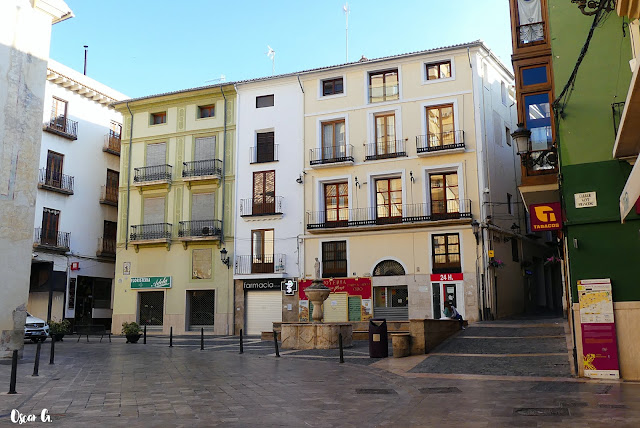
<point>206,231</point>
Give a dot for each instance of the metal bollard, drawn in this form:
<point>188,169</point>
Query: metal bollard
<point>36,364</point>
<point>145,335</point>
<point>241,350</point>
<point>341,350</point>
<point>202,338</point>
<point>171,337</point>
<point>53,351</point>
<point>14,372</point>
<point>275,342</point>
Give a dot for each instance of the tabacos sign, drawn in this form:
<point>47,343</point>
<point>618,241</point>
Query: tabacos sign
<point>151,282</point>
<point>545,216</point>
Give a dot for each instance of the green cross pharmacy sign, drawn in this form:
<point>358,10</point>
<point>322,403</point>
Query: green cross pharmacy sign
<point>151,282</point>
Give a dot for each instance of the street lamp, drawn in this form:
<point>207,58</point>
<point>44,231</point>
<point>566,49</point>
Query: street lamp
<point>224,258</point>
<point>475,226</point>
<point>522,137</point>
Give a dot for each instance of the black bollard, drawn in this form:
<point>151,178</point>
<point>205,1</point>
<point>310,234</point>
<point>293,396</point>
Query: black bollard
<point>341,350</point>
<point>36,364</point>
<point>14,372</point>
<point>241,350</point>
<point>171,337</point>
<point>53,350</point>
<point>145,335</point>
<point>275,342</point>
<point>202,339</point>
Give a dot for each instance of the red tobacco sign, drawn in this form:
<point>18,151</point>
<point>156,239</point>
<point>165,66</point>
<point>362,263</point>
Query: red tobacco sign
<point>545,216</point>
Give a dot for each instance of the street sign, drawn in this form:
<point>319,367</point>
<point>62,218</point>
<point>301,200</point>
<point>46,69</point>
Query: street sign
<point>151,282</point>
<point>491,253</point>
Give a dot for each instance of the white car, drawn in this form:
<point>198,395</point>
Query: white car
<point>35,329</point>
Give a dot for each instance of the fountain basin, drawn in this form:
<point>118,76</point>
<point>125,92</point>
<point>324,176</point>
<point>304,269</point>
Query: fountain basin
<point>316,335</point>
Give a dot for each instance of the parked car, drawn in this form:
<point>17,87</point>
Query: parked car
<point>35,329</point>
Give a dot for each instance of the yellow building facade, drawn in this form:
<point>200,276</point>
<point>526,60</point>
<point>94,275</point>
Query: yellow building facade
<point>175,214</point>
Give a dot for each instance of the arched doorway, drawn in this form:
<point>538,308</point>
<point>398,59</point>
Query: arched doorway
<point>390,299</point>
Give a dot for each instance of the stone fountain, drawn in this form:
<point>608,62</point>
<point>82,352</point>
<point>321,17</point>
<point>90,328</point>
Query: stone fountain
<point>316,335</point>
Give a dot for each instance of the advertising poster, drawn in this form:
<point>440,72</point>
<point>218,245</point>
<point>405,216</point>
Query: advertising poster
<point>366,309</point>
<point>303,311</point>
<point>351,287</point>
<point>599,344</point>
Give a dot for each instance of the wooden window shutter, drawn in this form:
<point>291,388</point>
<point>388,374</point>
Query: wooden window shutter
<point>156,154</point>
<point>153,210</point>
<point>205,149</point>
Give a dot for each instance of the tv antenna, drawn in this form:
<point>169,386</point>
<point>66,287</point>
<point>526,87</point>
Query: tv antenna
<point>346,10</point>
<point>220,79</point>
<point>272,56</point>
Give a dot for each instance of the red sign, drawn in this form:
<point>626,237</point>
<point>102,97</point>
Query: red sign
<point>440,277</point>
<point>75,265</point>
<point>353,286</point>
<point>545,216</point>
<point>599,347</point>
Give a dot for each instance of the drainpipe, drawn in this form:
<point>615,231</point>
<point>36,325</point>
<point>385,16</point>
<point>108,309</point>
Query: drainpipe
<point>224,152</point>
<point>126,232</point>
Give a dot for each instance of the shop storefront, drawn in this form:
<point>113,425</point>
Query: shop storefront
<point>350,300</point>
<point>262,303</point>
<point>447,287</point>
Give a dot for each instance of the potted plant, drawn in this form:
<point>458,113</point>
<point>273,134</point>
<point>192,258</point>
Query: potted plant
<point>496,263</point>
<point>132,331</point>
<point>57,330</point>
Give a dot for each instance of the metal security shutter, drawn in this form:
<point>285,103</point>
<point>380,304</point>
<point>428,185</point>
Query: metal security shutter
<point>153,210</point>
<point>262,309</point>
<point>202,206</point>
<point>336,308</point>
<point>205,149</point>
<point>156,154</point>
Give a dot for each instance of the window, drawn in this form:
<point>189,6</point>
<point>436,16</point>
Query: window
<point>206,111</point>
<point>332,86</point>
<point>334,259</point>
<point>202,206</point>
<point>54,169</point>
<point>385,134</point>
<point>159,118</point>
<point>445,201</point>
<point>534,75</point>
<point>115,130</point>
<point>333,140</point>
<point>204,149</point>
<point>440,125</point>
<point>507,135</point>
<point>503,93</point>
<point>50,220</point>
<point>336,202</point>
<point>264,101</point>
<point>509,203</point>
<point>153,210</point>
<point>264,192</point>
<point>383,86</point>
<point>102,293</point>
<point>389,199</point>
<point>201,260</point>
<point>391,297</point>
<point>201,307</point>
<point>446,253</point>
<point>439,70</point>
<point>515,255</point>
<point>265,147</point>
<point>530,28</point>
<point>59,114</point>
<point>151,307</point>
<point>262,251</point>
<point>156,154</point>
<point>537,110</point>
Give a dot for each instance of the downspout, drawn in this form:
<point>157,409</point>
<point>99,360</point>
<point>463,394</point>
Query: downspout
<point>126,232</point>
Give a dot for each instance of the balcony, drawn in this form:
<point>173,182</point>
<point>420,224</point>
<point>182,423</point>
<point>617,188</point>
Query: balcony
<point>386,150</point>
<point>330,156</point>
<point>62,126</point>
<point>530,34</point>
<point>268,263</point>
<point>159,175</point>
<point>55,181</point>
<point>381,93</point>
<point>397,216</point>
<point>203,171</point>
<point>112,143</point>
<point>269,205</point>
<point>154,233</point>
<point>444,142</point>
<point>199,230</point>
<point>109,195</point>
<point>266,153</point>
<point>51,240</point>
<point>106,248</point>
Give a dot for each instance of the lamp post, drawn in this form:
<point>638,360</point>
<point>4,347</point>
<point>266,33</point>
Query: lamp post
<point>475,226</point>
<point>224,258</point>
<point>522,137</point>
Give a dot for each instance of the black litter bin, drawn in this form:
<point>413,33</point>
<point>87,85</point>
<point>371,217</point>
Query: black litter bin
<point>378,341</point>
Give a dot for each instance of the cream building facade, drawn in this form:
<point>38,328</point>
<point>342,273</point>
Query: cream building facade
<point>175,221</point>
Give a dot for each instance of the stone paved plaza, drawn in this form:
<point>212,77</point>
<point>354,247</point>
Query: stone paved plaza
<point>482,385</point>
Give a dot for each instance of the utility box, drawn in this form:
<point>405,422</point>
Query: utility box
<point>378,341</point>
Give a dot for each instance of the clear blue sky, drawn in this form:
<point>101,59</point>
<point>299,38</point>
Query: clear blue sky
<point>147,47</point>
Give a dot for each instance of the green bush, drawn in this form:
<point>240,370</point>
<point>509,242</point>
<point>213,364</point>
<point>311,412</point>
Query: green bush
<point>62,327</point>
<point>129,328</point>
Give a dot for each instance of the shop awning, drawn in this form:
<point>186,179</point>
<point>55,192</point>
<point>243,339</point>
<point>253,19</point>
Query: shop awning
<point>631,191</point>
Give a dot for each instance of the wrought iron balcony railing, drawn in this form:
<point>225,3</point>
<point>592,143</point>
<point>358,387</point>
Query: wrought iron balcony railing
<point>267,153</point>
<point>109,195</point>
<point>384,92</point>
<point>52,239</point>
<point>62,126</point>
<point>112,143</point>
<point>333,154</point>
<point>56,181</point>
<point>440,142</point>
<point>264,263</point>
<point>386,150</point>
<point>540,162</point>
<point>530,34</point>
<point>394,214</point>
<point>268,205</point>
<point>200,229</point>
<point>152,173</point>
<point>617,109</point>
<point>142,232</point>
<point>106,247</point>
<point>202,168</point>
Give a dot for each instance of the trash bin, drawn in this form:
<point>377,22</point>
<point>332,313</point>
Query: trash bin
<point>378,341</point>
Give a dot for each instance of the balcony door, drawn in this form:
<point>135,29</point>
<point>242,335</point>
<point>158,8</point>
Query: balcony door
<point>153,210</point>
<point>156,154</point>
<point>385,134</point>
<point>445,198</point>
<point>389,200</point>
<point>262,251</point>
<point>109,236</point>
<point>50,220</point>
<point>59,114</point>
<point>265,147</point>
<point>440,125</point>
<point>112,185</point>
<point>333,140</point>
<point>264,192</point>
<point>115,130</point>
<point>54,169</point>
<point>336,202</point>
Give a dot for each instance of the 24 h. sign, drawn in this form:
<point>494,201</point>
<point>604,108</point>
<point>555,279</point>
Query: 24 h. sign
<point>151,282</point>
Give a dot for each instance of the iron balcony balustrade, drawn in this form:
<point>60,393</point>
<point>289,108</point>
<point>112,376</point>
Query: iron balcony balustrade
<point>202,168</point>
<point>55,181</point>
<point>617,109</point>
<point>265,263</point>
<point>109,195</point>
<point>144,232</point>
<point>152,173</point>
<point>540,162</point>
<point>331,154</point>
<point>530,34</point>
<point>106,247</point>
<point>51,240</point>
<point>112,143</point>
<point>444,141</point>
<point>62,126</point>
<point>262,154</point>
<point>396,214</point>
<point>211,229</point>
<point>268,205</point>
<point>386,150</point>
<point>381,93</point>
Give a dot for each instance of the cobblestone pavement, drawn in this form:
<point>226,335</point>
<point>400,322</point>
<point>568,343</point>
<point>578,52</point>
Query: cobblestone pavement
<point>117,384</point>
